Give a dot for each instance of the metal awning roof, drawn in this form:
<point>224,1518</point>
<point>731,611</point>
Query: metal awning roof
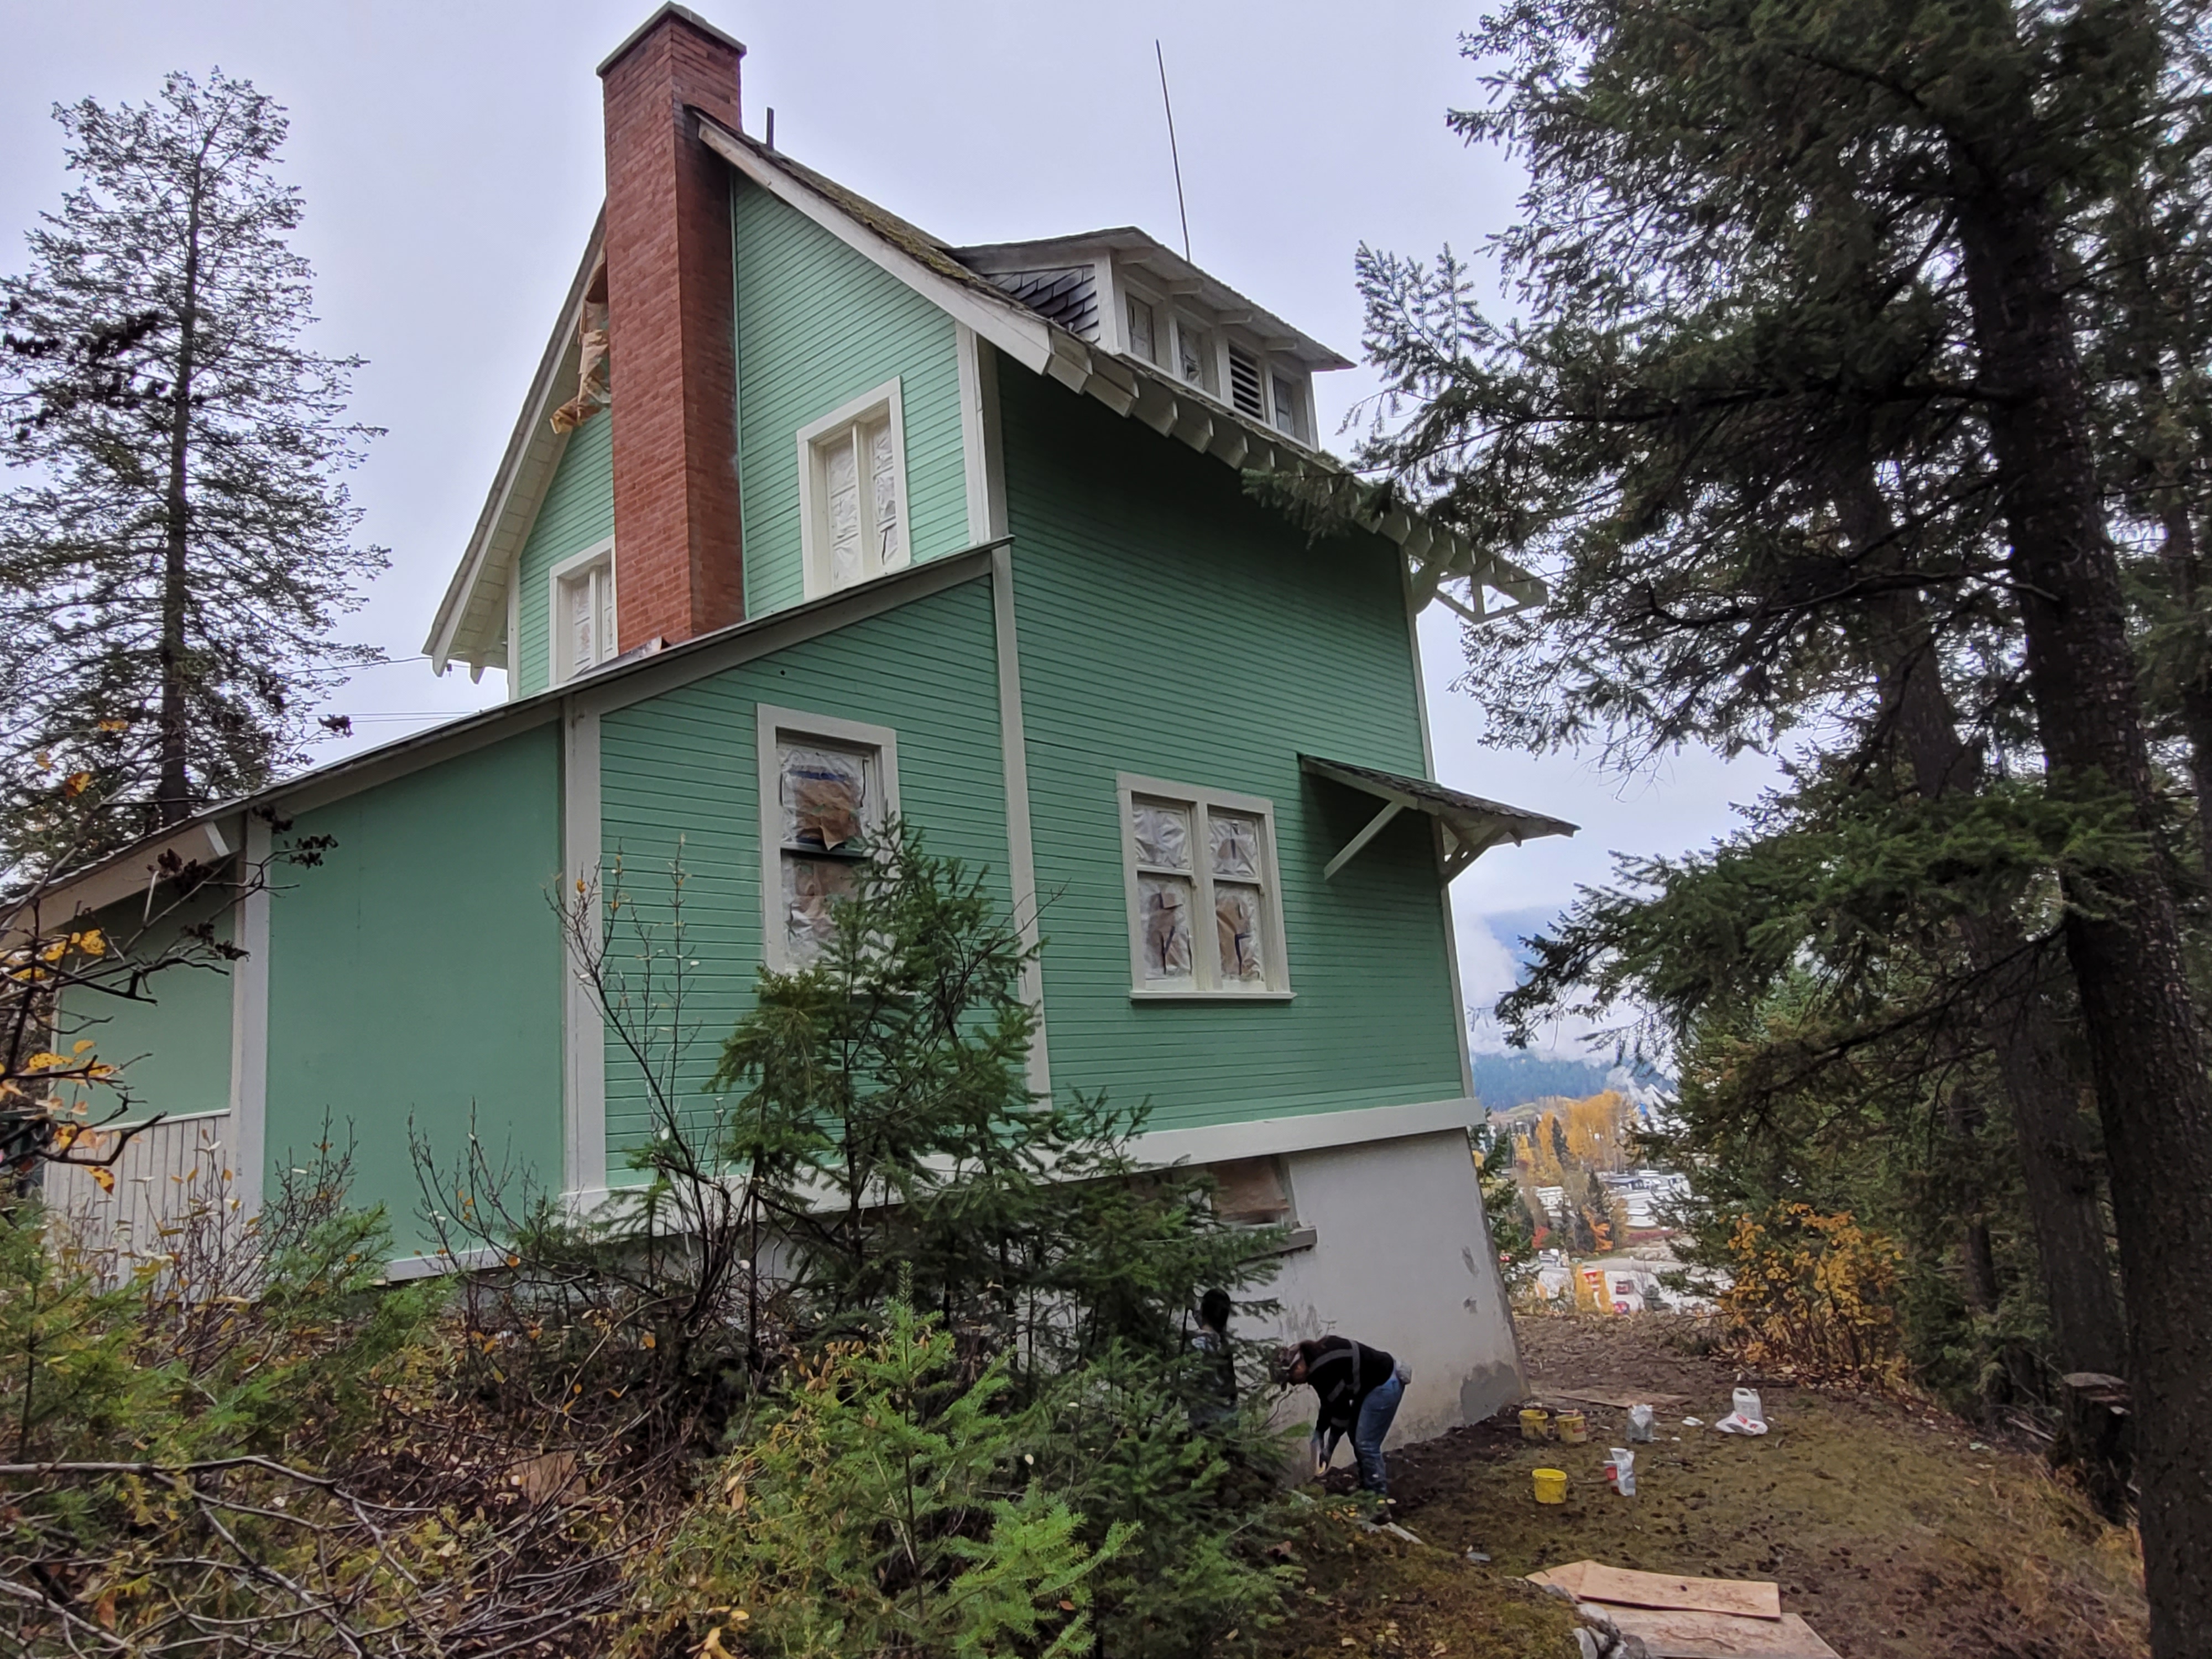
<point>1472,825</point>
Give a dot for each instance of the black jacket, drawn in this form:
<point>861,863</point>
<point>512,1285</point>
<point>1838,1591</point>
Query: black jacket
<point>1343,1376</point>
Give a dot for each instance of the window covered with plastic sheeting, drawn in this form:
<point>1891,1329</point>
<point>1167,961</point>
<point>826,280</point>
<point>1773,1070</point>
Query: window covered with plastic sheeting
<point>827,785</point>
<point>853,473</point>
<point>1204,917</point>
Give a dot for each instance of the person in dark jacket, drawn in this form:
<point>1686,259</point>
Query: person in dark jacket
<point>1218,1402</point>
<point>1359,1388</point>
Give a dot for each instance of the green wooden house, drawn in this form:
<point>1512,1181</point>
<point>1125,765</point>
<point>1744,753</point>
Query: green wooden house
<point>809,517</point>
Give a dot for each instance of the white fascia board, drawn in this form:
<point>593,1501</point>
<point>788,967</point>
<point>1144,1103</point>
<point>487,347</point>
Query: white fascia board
<point>1307,1131</point>
<point>205,840</point>
<point>1018,332</point>
<point>528,443</point>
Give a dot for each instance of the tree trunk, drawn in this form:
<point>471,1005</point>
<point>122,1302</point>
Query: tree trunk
<point>2178,552</point>
<point>2123,933</point>
<point>174,793</point>
<point>2058,1166</point>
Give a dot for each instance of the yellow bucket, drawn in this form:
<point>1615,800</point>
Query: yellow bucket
<point>1551,1485</point>
<point>1572,1427</point>
<point>1536,1424</point>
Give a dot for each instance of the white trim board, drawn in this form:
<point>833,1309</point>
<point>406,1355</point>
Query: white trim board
<point>1307,1131</point>
<point>249,1023</point>
<point>602,551</point>
<point>583,1025</point>
<point>1014,767</point>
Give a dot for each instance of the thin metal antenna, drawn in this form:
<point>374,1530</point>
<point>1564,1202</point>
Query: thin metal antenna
<point>1173,153</point>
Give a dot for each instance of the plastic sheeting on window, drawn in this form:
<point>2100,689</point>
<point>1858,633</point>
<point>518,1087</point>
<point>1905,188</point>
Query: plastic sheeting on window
<point>883,469</point>
<point>1235,845</point>
<point>810,887</point>
<point>1166,903</point>
<point>1162,833</point>
<point>825,796</point>
<point>841,485</point>
<point>1236,926</point>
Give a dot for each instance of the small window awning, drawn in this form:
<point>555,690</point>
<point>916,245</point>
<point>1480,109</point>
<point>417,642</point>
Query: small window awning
<point>1472,825</point>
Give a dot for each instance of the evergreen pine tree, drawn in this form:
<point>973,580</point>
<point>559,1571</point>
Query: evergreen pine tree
<point>181,542</point>
<point>1800,407</point>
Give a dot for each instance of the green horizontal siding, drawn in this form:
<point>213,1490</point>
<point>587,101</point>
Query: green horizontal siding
<point>817,325</point>
<point>172,1049</point>
<point>415,976</point>
<point>1172,628</point>
<point>578,512</point>
<point>679,786</point>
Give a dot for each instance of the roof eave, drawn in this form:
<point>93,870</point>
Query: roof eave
<point>533,438</point>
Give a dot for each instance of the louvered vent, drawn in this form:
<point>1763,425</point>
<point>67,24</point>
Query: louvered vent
<point>1243,383</point>
<point>1068,296</point>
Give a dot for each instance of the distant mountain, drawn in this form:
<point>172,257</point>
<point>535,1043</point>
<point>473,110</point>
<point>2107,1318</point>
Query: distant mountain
<point>1504,1081</point>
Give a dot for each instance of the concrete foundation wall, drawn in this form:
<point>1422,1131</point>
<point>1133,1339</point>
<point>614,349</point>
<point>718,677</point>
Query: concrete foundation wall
<point>1401,1261</point>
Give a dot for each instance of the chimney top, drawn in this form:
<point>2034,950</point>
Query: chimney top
<point>682,14</point>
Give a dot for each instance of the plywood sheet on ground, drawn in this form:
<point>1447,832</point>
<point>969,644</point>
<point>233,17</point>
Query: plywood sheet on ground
<point>1746,1598</point>
<point>1674,1633</point>
<point>1600,1397</point>
<point>1568,1578</point>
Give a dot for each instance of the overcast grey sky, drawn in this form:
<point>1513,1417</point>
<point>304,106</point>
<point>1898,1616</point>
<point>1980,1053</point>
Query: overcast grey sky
<point>450,155</point>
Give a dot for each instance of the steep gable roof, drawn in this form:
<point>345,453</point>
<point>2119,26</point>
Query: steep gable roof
<point>470,621</point>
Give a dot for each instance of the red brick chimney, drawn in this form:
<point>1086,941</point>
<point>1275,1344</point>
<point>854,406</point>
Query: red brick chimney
<point>679,568</point>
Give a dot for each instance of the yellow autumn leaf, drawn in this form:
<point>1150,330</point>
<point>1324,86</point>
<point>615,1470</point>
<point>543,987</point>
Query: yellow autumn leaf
<point>114,726</point>
<point>103,1176</point>
<point>92,942</point>
<point>65,1137</point>
<point>44,1060</point>
<point>77,783</point>
<point>81,1045</point>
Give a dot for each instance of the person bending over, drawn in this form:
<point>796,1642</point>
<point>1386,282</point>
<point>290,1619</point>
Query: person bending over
<point>1359,1388</point>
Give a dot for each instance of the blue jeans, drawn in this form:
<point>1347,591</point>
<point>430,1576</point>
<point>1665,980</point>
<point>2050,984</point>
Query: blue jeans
<point>1368,1430</point>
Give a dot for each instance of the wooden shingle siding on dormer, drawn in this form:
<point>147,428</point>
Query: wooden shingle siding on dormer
<point>578,513</point>
<point>817,325</point>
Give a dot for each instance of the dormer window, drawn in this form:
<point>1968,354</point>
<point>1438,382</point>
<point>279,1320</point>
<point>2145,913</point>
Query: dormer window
<point>1289,407</point>
<point>852,467</point>
<point>1194,354</point>
<point>1144,330</point>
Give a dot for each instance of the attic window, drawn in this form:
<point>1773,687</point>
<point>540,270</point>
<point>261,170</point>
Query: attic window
<point>1244,384</point>
<point>1193,348</point>
<point>852,467</point>
<point>583,613</point>
<point>1290,413</point>
<point>1144,330</point>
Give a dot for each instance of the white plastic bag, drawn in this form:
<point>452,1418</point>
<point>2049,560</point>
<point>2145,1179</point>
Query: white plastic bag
<point>1749,1417</point>
<point>1620,1470</point>
<point>1640,1424</point>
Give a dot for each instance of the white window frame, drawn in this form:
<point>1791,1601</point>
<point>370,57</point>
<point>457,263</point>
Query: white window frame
<point>1205,986</point>
<point>775,727</point>
<point>1207,340</point>
<point>559,670</point>
<point>1162,327</point>
<point>1301,429</point>
<point>814,506</point>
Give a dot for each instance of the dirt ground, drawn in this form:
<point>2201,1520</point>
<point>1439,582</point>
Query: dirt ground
<point>1884,1525</point>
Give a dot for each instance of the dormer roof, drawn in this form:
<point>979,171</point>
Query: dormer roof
<point>1134,250</point>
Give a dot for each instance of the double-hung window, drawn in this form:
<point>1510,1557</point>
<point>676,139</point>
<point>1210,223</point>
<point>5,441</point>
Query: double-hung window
<point>827,785</point>
<point>1205,916</point>
<point>583,613</point>
<point>852,465</point>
